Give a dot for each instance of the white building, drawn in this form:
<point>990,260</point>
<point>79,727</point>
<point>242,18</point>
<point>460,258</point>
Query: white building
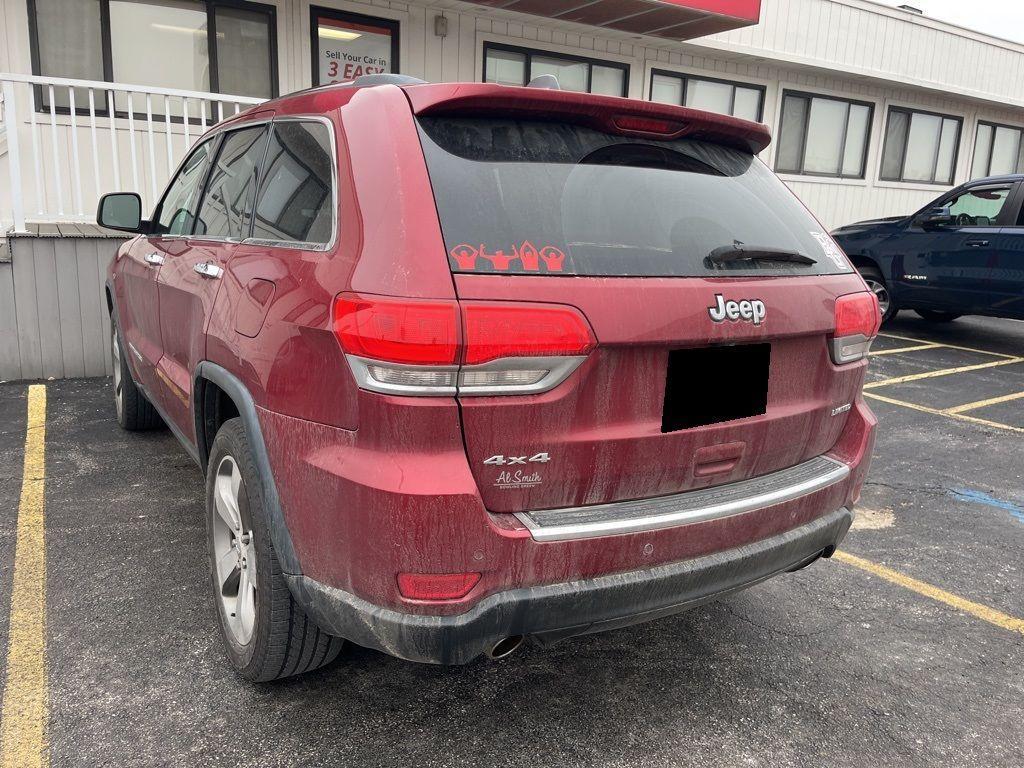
<point>875,110</point>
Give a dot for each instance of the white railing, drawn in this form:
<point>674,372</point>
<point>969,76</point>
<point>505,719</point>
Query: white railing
<point>70,141</point>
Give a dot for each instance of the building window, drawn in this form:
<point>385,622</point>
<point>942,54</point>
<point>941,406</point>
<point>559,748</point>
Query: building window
<point>823,136</point>
<point>998,149</point>
<point>920,147</point>
<point>510,65</point>
<point>223,46</point>
<point>722,96</point>
<point>347,45</point>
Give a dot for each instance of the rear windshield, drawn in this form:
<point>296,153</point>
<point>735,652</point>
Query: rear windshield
<point>532,197</point>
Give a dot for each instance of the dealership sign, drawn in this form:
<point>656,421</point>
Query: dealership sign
<point>350,49</point>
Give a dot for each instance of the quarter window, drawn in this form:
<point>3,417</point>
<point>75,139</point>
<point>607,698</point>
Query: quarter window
<point>296,200</point>
<point>509,65</point>
<point>178,209</point>
<point>722,96</point>
<point>920,147</point>
<point>823,136</point>
<point>228,199</point>
<point>998,149</point>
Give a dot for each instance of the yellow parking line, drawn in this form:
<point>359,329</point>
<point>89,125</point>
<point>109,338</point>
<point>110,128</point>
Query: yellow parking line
<point>937,412</point>
<point>23,742</point>
<point>947,346</point>
<point>982,403</point>
<point>898,350</point>
<point>942,372</point>
<point>991,615</point>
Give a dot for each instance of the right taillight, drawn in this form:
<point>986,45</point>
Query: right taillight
<point>857,322</point>
<point>412,347</point>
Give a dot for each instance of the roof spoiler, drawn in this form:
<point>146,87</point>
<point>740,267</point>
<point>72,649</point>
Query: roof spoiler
<point>610,114</point>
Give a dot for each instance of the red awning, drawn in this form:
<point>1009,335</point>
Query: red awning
<point>671,19</point>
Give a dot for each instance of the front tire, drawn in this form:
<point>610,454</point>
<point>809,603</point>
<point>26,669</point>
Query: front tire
<point>266,633</point>
<point>937,316</point>
<point>134,412</point>
<point>876,283</point>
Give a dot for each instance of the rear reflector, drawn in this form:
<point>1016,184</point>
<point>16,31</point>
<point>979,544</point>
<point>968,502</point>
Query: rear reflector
<point>436,586</point>
<point>857,322</point>
<point>412,347</point>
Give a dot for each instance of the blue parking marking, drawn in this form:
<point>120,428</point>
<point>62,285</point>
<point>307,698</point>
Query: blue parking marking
<point>977,497</point>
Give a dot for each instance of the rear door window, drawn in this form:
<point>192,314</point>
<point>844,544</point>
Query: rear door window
<point>226,210</point>
<point>296,199</point>
<point>535,198</point>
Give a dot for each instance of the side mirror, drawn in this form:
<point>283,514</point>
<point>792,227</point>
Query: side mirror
<point>121,211</point>
<point>934,218</point>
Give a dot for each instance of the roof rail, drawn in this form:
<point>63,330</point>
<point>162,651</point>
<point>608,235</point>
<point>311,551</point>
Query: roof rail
<point>364,81</point>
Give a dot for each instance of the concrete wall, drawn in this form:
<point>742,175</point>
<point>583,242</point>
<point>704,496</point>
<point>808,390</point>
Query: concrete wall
<point>53,317</point>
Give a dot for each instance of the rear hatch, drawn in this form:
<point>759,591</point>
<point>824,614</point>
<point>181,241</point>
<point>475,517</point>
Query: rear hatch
<point>709,290</point>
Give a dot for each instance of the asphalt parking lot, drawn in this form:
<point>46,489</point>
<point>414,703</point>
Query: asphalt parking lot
<point>906,649</point>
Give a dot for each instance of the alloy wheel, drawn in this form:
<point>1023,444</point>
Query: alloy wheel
<point>881,293</point>
<point>234,552</point>
<point>118,383</point>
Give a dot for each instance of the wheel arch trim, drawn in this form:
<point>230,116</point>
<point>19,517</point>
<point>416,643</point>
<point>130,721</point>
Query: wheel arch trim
<point>240,396</point>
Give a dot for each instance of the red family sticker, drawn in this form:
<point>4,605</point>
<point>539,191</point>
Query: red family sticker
<point>467,257</point>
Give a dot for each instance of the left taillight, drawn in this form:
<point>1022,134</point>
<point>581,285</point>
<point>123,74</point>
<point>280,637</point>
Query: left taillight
<point>413,347</point>
<point>857,321</point>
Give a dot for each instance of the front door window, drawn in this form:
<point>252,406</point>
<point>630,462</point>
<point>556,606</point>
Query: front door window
<point>978,207</point>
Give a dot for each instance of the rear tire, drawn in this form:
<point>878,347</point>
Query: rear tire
<point>266,633</point>
<point>873,277</point>
<point>134,412</point>
<point>936,316</point>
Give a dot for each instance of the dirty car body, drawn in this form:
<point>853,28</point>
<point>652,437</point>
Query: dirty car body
<point>522,362</point>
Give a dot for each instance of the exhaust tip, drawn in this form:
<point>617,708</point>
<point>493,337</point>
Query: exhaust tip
<point>504,647</point>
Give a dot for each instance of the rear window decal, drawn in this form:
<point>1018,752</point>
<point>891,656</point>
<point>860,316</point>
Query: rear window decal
<point>832,251</point>
<point>553,258</point>
<point>525,257</point>
<point>528,255</point>
<point>499,259</point>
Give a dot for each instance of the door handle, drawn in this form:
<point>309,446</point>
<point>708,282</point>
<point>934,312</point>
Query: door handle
<point>208,269</point>
<point>154,259</point>
<point>977,243</point>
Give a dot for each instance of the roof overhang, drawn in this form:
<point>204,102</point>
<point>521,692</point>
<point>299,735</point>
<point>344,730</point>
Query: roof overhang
<point>670,19</point>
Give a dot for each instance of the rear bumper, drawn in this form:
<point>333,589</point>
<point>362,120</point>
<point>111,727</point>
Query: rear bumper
<point>553,611</point>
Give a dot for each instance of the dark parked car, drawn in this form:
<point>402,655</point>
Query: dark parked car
<point>962,254</point>
<point>466,363</point>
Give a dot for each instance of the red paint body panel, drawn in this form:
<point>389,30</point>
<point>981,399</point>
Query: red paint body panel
<point>602,426</point>
<point>372,485</point>
<point>362,508</point>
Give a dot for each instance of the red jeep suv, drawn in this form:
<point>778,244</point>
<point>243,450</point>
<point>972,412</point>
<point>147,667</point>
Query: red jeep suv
<point>465,364</point>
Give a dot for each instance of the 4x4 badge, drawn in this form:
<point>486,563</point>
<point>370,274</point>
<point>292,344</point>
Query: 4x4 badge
<point>752,310</point>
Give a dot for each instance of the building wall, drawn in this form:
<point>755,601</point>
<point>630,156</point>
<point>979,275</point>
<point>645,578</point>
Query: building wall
<point>53,317</point>
<point>841,47</point>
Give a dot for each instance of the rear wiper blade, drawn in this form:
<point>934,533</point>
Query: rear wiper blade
<point>740,252</point>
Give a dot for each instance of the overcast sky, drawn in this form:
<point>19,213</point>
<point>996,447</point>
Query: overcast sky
<point>1002,18</point>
